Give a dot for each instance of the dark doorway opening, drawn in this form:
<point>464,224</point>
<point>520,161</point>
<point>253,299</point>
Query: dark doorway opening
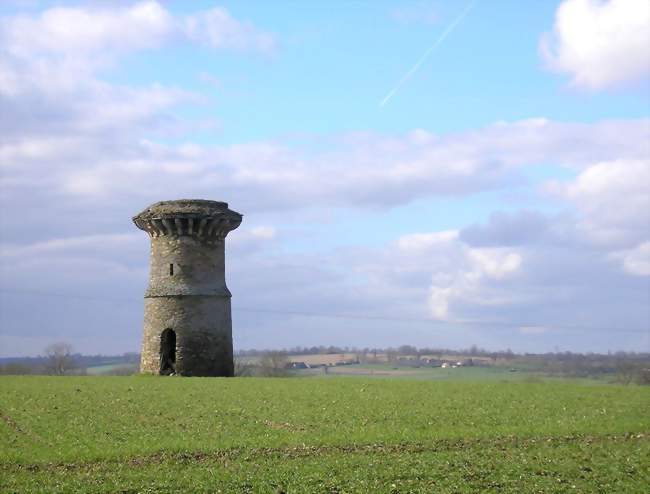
<point>167,352</point>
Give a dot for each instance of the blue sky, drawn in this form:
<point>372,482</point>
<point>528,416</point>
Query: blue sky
<point>500,196</point>
<point>333,64</point>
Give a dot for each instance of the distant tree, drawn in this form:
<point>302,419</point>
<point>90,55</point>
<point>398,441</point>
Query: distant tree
<point>274,364</point>
<point>643,376</point>
<point>59,360</point>
<point>629,371</point>
<point>407,350</point>
<point>243,368</point>
<point>391,356</point>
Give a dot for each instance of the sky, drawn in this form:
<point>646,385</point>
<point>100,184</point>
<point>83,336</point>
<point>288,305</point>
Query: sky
<point>431,173</point>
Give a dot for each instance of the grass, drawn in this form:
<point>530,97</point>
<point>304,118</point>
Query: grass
<point>150,434</point>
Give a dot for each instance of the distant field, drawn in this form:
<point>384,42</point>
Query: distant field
<point>99,370</point>
<point>323,359</point>
<point>169,434</point>
<point>490,373</point>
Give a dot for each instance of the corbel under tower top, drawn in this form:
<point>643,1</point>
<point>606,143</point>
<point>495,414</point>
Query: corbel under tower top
<point>209,221</point>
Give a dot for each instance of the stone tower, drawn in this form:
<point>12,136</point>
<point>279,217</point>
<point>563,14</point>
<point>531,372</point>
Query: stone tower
<point>187,322</point>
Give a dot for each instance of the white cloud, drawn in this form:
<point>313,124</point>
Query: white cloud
<point>53,99</point>
<point>62,49</point>
<point>635,261</point>
<point>218,29</point>
<point>100,243</point>
<point>92,34</point>
<point>57,113</point>
<point>265,232</point>
<point>614,200</point>
<point>533,330</point>
<point>459,273</point>
<point>351,170</point>
<point>86,32</point>
<point>423,241</point>
<point>600,43</point>
<point>497,264</point>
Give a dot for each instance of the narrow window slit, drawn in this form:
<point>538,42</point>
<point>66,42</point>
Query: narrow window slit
<point>171,270</point>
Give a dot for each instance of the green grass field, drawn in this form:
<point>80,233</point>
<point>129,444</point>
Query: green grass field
<point>338,434</point>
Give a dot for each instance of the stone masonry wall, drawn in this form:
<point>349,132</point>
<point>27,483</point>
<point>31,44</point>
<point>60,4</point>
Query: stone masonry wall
<point>203,334</point>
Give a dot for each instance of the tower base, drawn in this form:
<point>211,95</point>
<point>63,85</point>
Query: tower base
<point>200,327</point>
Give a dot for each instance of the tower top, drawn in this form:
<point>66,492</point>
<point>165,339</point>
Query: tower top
<point>209,220</point>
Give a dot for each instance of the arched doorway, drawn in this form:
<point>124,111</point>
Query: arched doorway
<point>167,352</point>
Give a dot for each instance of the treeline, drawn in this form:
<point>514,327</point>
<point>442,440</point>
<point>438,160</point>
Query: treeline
<point>58,359</point>
<point>623,367</point>
<point>472,351</point>
<point>626,367</point>
<point>403,350</point>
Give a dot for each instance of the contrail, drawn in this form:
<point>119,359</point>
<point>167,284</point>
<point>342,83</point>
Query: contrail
<point>440,39</point>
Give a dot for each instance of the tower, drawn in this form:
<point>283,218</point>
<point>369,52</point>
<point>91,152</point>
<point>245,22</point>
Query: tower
<point>187,321</point>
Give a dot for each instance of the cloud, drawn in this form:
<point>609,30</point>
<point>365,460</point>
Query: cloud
<point>68,245</point>
<point>635,261</point>
<point>98,140</point>
<point>561,284</point>
<point>86,32</point>
<point>559,279</point>
<point>600,44</point>
<point>50,63</point>
<point>504,229</point>
<point>96,34</point>
<point>556,285</point>
<point>58,115</point>
<point>614,200</point>
<point>93,162</point>
<point>216,28</point>
<point>608,216</point>
<point>51,93</point>
<point>461,273</point>
<point>533,330</point>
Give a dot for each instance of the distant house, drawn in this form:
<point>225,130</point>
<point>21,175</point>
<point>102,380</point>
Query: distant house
<point>299,365</point>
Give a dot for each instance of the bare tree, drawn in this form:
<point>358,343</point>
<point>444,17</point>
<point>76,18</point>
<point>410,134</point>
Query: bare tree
<point>59,358</point>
